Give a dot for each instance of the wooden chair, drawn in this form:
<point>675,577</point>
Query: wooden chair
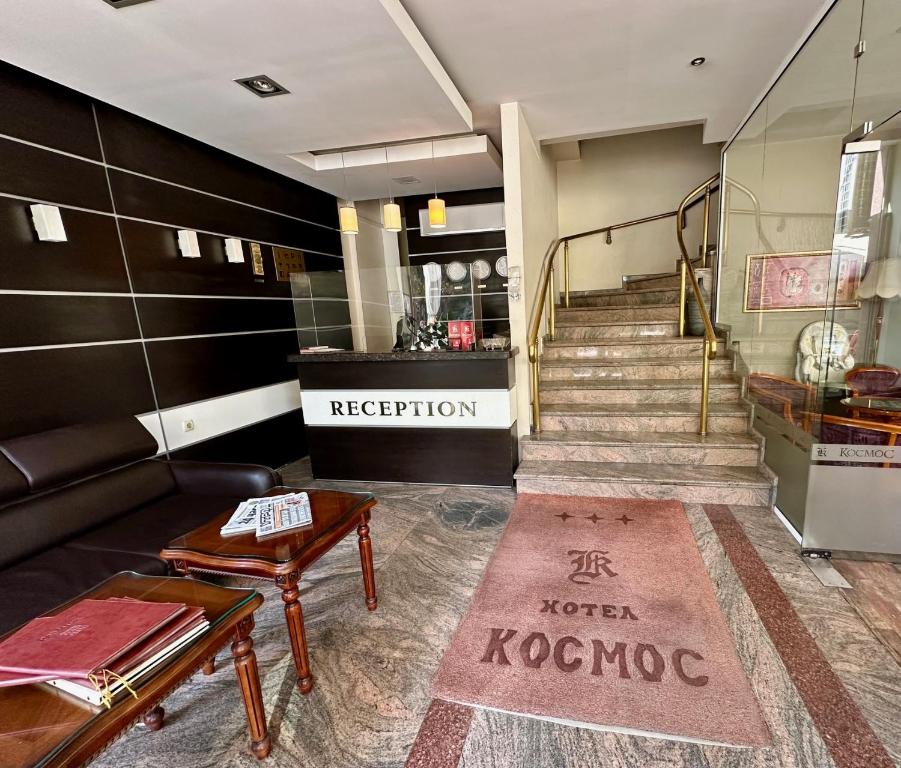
<point>873,380</point>
<point>846,431</point>
<point>787,397</point>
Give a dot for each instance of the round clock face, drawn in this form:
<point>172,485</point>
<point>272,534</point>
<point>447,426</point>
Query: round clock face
<point>500,266</point>
<point>455,271</point>
<point>481,269</point>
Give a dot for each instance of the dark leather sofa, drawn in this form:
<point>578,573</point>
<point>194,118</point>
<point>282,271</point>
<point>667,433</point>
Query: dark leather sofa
<point>81,503</point>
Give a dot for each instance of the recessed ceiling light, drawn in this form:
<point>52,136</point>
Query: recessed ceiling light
<point>123,3</point>
<point>697,61</point>
<point>262,86</point>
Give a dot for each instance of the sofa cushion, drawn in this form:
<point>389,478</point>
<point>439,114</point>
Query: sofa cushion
<point>40,583</point>
<point>12,482</point>
<point>147,530</point>
<point>42,521</point>
<point>59,456</point>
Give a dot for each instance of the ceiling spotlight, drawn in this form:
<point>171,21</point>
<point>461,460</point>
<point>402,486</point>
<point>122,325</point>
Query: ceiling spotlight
<point>262,86</point>
<point>697,61</point>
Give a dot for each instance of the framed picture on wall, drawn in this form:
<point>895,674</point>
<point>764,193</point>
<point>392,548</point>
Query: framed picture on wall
<point>800,282</point>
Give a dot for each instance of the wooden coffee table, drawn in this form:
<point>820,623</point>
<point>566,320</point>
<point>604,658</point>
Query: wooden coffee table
<point>41,726</point>
<point>282,558</point>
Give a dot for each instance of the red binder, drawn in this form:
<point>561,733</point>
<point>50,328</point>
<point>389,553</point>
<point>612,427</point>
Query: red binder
<point>84,638</point>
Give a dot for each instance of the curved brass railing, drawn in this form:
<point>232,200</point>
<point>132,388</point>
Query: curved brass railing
<point>547,290</point>
<point>687,270</point>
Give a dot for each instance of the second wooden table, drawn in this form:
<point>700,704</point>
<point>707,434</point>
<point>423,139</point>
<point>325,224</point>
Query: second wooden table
<point>284,557</point>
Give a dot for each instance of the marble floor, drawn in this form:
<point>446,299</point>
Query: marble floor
<point>373,670</point>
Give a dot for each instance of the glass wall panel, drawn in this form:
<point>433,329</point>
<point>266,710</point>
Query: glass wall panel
<point>878,91</point>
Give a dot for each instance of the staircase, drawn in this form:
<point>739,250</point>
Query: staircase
<point>620,393</point>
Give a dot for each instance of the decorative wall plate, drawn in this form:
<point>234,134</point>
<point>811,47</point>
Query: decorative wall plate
<point>500,266</point>
<point>481,269</point>
<point>455,271</point>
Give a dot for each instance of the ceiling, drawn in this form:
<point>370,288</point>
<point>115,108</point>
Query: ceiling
<point>376,72</point>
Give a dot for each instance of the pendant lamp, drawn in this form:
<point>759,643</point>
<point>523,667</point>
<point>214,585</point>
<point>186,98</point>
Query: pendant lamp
<point>437,209</point>
<point>391,210</point>
<point>347,214</point>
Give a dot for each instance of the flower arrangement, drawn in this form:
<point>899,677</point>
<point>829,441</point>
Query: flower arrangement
<point>430,336</point>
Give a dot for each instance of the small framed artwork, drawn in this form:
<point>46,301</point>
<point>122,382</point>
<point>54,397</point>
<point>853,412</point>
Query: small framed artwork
<point>287,261</point>
<point>256,258</point>
<point>800,282</point>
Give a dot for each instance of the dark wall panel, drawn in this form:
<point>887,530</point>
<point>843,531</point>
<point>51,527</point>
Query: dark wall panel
<point>442,243</point>
<point>183,317</point>
<point>91,260</point>
<point>198,369</point>
<point>41,175</point>
<point>45,113</point>
<point>272,443</point>
<point>51,388</point>
<point>144,198</point>
<point>28,320</point>
<point>156,265</point>
<point>138,145</point>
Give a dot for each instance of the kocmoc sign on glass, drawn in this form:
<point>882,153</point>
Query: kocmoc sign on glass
<point>451,408</point>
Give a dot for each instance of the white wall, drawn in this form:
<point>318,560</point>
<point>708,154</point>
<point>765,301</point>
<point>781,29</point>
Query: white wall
<point>530,201</point>
<point>620,178</point>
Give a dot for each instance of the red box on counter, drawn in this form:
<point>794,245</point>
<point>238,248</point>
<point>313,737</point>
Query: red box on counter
<point>456,342</point>
<point>453,328</point>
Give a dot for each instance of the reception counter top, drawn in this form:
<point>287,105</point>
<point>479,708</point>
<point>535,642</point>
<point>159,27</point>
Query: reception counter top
<point>401,355</point>
<point>421,417</point>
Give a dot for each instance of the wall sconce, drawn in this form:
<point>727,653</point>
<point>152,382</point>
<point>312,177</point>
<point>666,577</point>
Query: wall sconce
<point>187,244</point>
<point>48,223</point>
<point>234,253</point>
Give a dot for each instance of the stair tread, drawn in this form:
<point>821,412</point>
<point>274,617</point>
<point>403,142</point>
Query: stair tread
<point>672,439</point>
<point>557,384</point>
<point>609,341</point>
<point>668,305</point>
<point>699,474</point>
<point>595,361</point>
<point>617,291</point>
<point>640,409</point>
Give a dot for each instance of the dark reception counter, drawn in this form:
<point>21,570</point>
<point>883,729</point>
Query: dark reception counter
<point>418,417</point>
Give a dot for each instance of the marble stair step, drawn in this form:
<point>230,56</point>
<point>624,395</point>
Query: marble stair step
<point>642,417</point>
<point>715,449</point>
<point>619,349</point>
<point>694,484</point>
<point>632,329</point>
<point>639,368</point>
<point>578,316</point>
<point>638,391</point>
<point>624,298</point>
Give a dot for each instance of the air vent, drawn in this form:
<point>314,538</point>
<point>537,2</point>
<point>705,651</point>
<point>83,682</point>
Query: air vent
<point>124,3</point>
<point>262,85</point>
<point>405,180</point>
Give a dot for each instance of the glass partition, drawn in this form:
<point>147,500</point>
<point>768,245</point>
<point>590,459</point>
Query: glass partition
<point>807,274</point>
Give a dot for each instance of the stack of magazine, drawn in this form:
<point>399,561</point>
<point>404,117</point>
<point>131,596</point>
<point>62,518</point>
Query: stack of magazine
<point>270,515</point>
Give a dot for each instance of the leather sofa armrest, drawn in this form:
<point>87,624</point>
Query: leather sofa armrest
<point>205,478</point>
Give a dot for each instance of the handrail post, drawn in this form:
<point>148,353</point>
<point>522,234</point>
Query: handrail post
<point>566,274</point>
<point>552,311</point>
<point>683,273</point>
<point>705,387</point>
<point>706,224</point>
<point>536,406</point>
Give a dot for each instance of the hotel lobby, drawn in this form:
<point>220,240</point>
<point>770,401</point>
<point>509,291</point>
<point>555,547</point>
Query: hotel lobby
<point>463,385</point>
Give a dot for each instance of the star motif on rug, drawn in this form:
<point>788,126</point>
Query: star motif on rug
<point>625,519</point>
<point>564,516</point>
<point>594,518</point>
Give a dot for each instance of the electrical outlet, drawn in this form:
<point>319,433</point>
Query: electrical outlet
<point>187,425</point>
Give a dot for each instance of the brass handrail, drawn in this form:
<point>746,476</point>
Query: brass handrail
<point>546,288</point>
<point>686,269</point>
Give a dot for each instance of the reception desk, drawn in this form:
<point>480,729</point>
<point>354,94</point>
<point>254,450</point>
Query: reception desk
<point>415,417</point>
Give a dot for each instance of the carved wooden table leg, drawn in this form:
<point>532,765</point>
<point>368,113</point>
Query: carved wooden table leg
<point>294,617</point>
<point>154,718</point>
<point>249,680</point>
<point>209,666</point>
<point>372,601</point>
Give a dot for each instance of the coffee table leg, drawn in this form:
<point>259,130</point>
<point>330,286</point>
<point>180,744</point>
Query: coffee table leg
<point>209,666</point>
<point>294,618</point>
<point>372,600</point>
<point>154,718</point>
<point>249,680</point>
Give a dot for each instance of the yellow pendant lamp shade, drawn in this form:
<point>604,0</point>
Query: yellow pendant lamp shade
<point>347,219</point>
<point>437,213</point>
<point>391,217</point>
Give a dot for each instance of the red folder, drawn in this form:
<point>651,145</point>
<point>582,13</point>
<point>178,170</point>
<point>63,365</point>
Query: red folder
<point>84,638</point>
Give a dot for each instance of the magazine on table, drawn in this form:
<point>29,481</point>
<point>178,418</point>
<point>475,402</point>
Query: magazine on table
<point>270,515</point>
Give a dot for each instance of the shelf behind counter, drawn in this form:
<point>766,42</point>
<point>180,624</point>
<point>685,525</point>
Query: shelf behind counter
<point>419,417</point>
